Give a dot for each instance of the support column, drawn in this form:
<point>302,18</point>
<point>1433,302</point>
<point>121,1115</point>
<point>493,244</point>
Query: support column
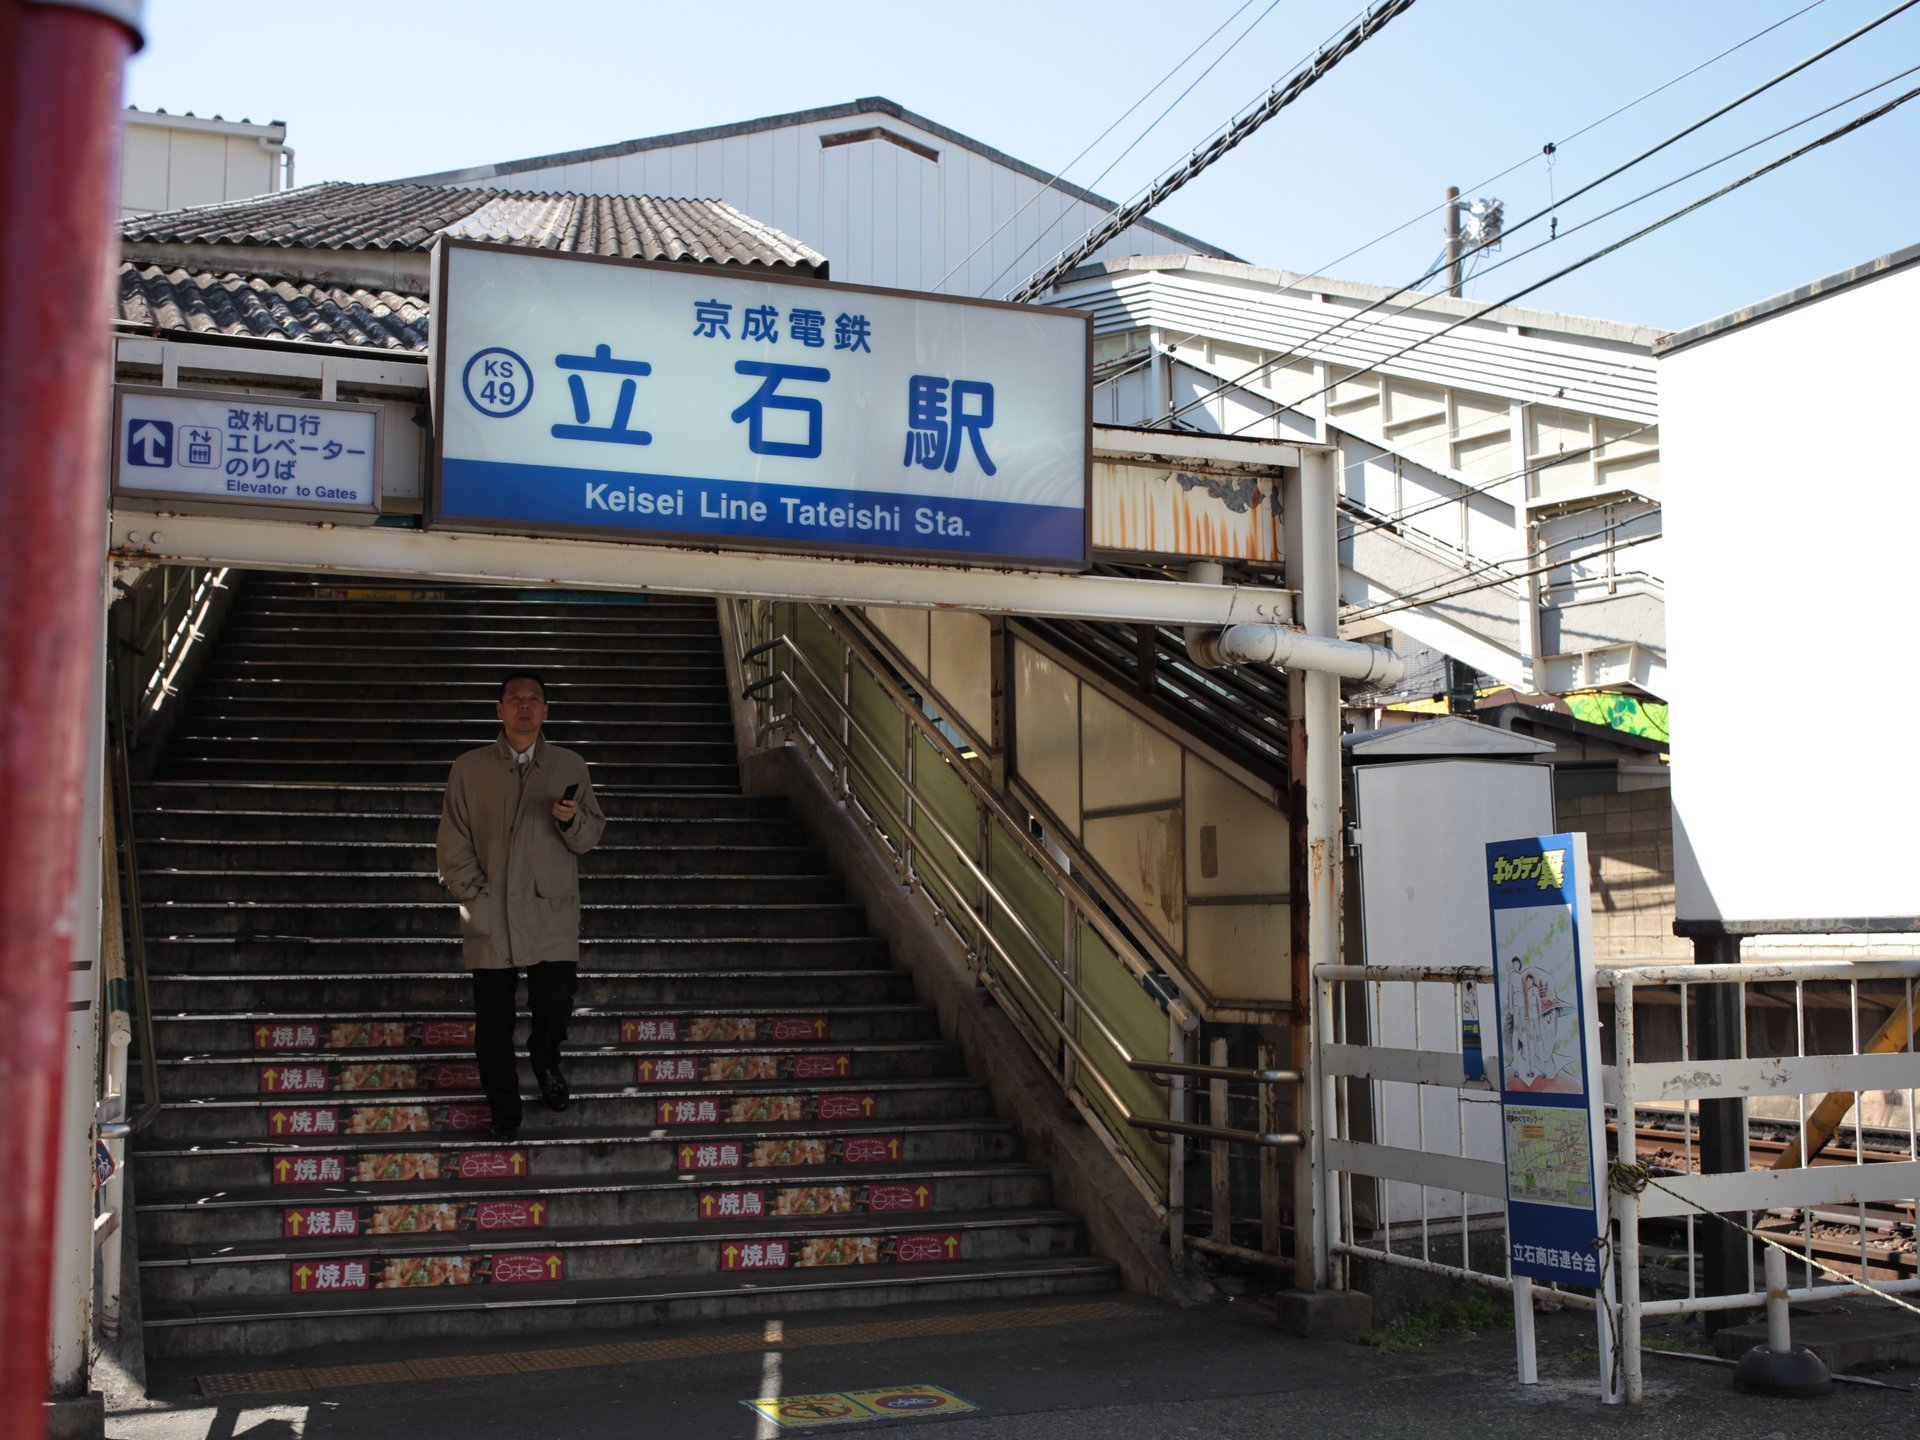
<point>61,69</point>
<point>1311,511</point>
<point>1723,1128</point>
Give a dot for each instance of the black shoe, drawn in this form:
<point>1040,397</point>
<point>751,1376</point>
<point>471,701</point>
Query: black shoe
<point>504,1129</point>
<point>553,1087</point>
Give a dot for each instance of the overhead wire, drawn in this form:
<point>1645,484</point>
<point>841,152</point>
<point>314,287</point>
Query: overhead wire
<point>1858,122</point>
<point>1591,185</point>
<point>1212,65</point>
<point>1060,174</point>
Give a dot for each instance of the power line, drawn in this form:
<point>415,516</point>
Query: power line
<point>1547,151</point>
<point>1646,154</point>
<point>1276,100</point>
<point>1056,177</point>
<point>1626,204</point>
<point>1832,135</point>
<point>1211,67</point>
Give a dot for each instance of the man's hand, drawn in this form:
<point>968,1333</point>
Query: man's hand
<point>564,811</point>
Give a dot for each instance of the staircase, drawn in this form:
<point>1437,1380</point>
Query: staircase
<point>763,1120</point>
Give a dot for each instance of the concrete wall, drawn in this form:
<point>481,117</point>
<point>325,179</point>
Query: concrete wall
<point>1630,849</point>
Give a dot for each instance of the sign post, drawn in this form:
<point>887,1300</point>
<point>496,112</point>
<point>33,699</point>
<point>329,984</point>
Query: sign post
<point>577,395</point>
<point>1549,1045</point>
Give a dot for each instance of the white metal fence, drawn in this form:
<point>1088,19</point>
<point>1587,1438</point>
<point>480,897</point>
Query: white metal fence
<point>1826,1070</point>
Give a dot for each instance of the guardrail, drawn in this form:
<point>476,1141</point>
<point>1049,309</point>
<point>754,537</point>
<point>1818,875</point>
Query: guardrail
<point>1415,1177</point>
<point>1109,1024</point>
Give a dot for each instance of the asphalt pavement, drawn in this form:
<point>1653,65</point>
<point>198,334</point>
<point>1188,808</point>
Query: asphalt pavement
<point>1115,1368</point>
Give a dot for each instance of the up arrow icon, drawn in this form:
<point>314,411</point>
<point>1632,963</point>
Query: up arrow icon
<point>150,443</point>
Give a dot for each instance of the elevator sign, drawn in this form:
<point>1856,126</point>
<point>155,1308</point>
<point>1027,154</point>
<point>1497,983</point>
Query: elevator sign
<point>684,403</point>
<point>206,450</point>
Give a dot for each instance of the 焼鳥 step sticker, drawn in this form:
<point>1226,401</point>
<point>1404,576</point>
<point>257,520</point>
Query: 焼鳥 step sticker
<point>361,1034</point>
<point>815,1200</point>
<point>721,1029</point>
<point>416,1272</point>
<point>378,1075</point>
<point>722,1069</point>
<point>379,1120</point>
<point>792,1150</point>
<point>312,1221</point>
<point>777,1253</point>
<point>377,1166</point>
<point>765,1109</point>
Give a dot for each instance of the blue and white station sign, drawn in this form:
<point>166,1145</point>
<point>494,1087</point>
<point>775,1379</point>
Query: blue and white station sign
<point>576,394</point>
<point>193,449</point>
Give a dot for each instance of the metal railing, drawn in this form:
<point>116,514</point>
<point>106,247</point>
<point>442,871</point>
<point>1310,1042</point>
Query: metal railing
<point>1822,1044</point>
<point>827,718</point>
<point>1416,1178</point>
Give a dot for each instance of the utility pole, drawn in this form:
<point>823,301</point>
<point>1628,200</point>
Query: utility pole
<point>1453,241</point>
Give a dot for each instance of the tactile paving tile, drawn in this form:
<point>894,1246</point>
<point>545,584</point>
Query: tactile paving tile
<point>655,1350</point>
<point>390,1372</point>
<point>258,1382</point>
<point>451,1367</point>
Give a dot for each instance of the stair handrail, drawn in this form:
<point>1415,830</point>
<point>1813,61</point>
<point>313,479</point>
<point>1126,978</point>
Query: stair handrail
<point>1152,978</point>
<point>124,940</point>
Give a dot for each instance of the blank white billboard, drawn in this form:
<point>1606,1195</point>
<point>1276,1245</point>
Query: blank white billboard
<point>1792,512</point>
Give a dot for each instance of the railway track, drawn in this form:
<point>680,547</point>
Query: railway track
<point>1873,1240</point>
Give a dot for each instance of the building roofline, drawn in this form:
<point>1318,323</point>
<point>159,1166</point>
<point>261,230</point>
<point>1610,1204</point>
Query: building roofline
<point>1543,321</point>
<point>868,105</point>
<point>208,124</point>
<point>1787,300</point>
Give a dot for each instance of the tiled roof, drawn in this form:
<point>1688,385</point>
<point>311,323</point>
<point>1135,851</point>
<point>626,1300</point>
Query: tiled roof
<point>407,217</point>
<point>277,310</point>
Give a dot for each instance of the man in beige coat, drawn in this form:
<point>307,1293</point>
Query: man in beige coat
<point>517,815</point>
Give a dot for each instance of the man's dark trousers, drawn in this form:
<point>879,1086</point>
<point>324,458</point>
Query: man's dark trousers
<point>550,988</point>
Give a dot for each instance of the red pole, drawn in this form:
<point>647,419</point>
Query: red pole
<point>61,71</point>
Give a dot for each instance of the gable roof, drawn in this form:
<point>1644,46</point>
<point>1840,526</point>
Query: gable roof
<point>867,105</point>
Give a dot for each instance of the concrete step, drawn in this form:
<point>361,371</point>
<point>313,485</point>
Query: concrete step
<point>169,887</point>
<point>338,1082</point>
<point>422,955</point>
<point>718,773</point>
<point>703,745</point>
<point>449,734</point>
<point>424,799</point>
<point>384,714</point>
<point>448,1034</point>
<point>585,676</point>
<point>325,1172</point>
<point>441,919</point>
<point>278,1272</point>
<point>292,993</point>
<point>279,1326</point>
<point>285,626</point>
<point>264,1118</point>
<point>627,854</point>
<point>180,819</point>
<point>177,1225</point>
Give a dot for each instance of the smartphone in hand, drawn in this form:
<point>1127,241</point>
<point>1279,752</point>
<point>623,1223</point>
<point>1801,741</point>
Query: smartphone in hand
<point>569,792</point>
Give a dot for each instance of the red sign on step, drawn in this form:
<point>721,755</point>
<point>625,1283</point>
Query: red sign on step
<point>926,1249</point>
<point>310,1220</point>
<point>447,1032</point>
<point>883,1198</point>
<point>688,1112</point>
<point>800,1027</point>
<point>456,1077</point>
<point>846,1107</point>
<point>667,1069</point>
<point>756,1255</point>
<point>292,1079</point>
<point>723,1155</point>
<point>510,1215</point>
<point>285,1035</point>
<point>308,1169</point>
<point>870,1149</point>
<point>822,1067</point>
<point>640,1030</point>
<point>526,1267</point>
<point>303,1122</point>
<point>310,1276</point>
<point>491,1164</point>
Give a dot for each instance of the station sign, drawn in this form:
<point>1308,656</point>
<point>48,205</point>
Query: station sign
<point>206,450</point>
<point>583,395</point>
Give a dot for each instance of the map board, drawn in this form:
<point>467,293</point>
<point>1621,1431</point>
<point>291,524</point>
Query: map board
<point>1548,1038</point>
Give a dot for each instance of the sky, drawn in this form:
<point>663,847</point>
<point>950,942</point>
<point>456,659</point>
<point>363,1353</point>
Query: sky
<point>1348,181</point>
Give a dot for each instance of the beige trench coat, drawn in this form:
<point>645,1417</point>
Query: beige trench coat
<point>511,866</point>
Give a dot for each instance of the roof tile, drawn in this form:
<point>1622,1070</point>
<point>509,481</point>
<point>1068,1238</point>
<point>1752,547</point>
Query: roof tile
<point>278,310</point>
<point>408,217</point>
